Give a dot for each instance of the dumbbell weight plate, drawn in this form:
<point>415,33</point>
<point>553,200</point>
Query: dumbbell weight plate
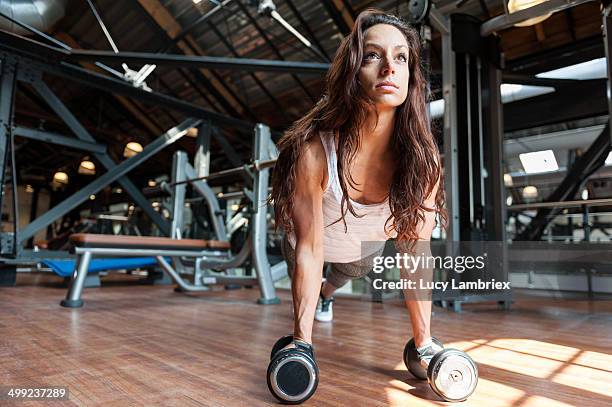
<point>280,344</point>
<point>293,377</point>
<point>453,375</point>
<point>411,359</point>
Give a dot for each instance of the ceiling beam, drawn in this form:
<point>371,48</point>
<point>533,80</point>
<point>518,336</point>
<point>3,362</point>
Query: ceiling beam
<point>153,128</point>
<point>188,45</point>
<point>196,61</point>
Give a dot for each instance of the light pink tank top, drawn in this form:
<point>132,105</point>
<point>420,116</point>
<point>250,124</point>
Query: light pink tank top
<point>340,246</point>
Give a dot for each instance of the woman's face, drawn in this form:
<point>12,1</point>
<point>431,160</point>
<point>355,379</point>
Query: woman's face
<point>384,71</point>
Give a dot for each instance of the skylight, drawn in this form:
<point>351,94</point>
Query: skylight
<point>593,69</point>
<point>539,161</point>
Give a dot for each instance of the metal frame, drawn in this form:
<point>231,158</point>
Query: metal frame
<point>54,138</point>
<point>204,259</point>
<point>483,144</point>
<point>233,104</point>
<point>278,54</point>
<point>259,83</point>
<point>309,31</point>
<point>259,228</point>
<point>207,62</point>
<point>8,80</point>
<point>449,91</point>
<point>574,179</point>
<point>114,173</point>
<point>182,173</point>
<point>607,37</point>
<point>84,255</point>
<point>256,244</point>
<point>30,56</point>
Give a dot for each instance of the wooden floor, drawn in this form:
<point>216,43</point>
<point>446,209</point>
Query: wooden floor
<point>147,345</point>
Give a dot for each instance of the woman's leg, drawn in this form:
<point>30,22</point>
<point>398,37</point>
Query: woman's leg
<point>328,289</point>
<point>341,273</point>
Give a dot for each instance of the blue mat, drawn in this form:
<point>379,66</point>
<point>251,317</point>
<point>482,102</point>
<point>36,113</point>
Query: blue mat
<point>65,268</point>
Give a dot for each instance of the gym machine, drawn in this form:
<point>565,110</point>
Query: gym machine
<point>203,254</point>
<point>183,174</point>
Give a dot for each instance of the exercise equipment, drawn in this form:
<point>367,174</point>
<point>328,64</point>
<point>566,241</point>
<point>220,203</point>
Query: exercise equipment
<point>292,374</point>
<point>411,359</point>
<point>202,259</point>
<point>87,245</point>
<point>451,373</point>
<point>418,11</point>
<point>66,267</point>
<point>256,165</point>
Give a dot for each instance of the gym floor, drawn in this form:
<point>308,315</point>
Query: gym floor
<point>147,345</point>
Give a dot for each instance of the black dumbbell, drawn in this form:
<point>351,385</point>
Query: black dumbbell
<point>293,374</point>
<point>451,373</point>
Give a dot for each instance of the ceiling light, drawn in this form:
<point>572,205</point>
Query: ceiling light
<point>539,161</point>
<point>87,167</point>
<point>60,177</point>
<point>585,194</point>
<point>151,183</point>
<point>131,149</point>
<point>92,197</point>
<point>530,192</point>
<point>509,201</point>
<point>192,132</point>
<point>517,5</point>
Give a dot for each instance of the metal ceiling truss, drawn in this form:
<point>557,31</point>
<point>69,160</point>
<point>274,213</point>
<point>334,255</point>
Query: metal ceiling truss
<point>276,51</point>
<point>574,180</point>
<point>189,61</point>
<point>309,31</point>
<point>198,75</point>
<point>16,52</point>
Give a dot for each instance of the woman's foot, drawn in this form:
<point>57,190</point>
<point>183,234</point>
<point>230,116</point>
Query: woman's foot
<point>325,312</point>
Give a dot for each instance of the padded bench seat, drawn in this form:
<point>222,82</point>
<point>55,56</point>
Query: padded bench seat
<point>86,245</point>
<point>90,240</point>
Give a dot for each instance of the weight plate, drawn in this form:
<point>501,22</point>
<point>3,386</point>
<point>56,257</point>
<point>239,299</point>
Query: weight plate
<point>293,377</point>
<point>280,344</point>
<point>411,359</point>
<point>453,375</point>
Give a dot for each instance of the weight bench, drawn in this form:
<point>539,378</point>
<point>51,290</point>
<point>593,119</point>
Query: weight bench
<point>87,245</point>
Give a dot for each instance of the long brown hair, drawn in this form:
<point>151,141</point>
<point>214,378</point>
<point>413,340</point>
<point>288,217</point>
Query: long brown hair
<point>343,110</point>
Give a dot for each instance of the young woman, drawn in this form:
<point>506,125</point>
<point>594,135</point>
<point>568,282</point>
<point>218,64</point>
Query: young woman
<point>361,166</point>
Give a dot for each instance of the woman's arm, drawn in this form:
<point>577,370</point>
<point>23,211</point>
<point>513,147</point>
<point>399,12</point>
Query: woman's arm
<point>418,300</point>
<point>307,218</point>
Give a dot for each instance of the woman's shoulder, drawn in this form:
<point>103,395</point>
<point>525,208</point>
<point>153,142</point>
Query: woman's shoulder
<point>313,160</point>
<point>313,156</point>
